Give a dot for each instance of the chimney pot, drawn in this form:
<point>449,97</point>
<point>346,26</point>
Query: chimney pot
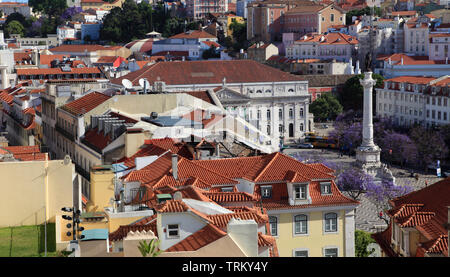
<point>175,166</point>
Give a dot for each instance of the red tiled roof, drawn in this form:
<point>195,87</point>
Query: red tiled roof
<point>123,230</point>
<point>408,60</point>
<point>208,72</point>
<point>194,34</point>
<point>58,70</point>
<point>172,206</point>
<point>199,239</point>
<point>85,103</point>
<point>411,79</point>
<point>265,240</point>
<point>435,246</point>
<point>201,116</point>
<point>47,59</point>
<point>211,43</point>
<point>424,209</point>
<point>96,139</point>
<point>383,239</point>
<point>221,220</point>
<point>77,48</point>
<point>330,38</point>
<point>404,13</point>
<point>227,197</point>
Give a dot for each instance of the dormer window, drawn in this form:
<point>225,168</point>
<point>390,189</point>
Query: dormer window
<point>173,231</point>
<point>227,189</point>
<point>266,191</point>
<point>300,192</point>
<point>325,188</point>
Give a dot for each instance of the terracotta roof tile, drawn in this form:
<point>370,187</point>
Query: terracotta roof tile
<point>85,103</point>
<point>199,239</point>
<point>265,240</point>
<point>193,34</point>
<point>172,206</point>
<point>208,72</point>
<point>227,197</point>
<point>58,70</point>
<point>221,220</point>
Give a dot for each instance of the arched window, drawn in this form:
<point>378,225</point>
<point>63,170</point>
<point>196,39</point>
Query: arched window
<point>268,114</point>
<point>268,91</point>
<point>290,90</point>
<point>273,222</point>
<point>291,113</point>
<point>268,130</point>
<point>301,112</point>
<point>330,222</point>
<point>301,127</point>
<point>301,224</point>
<point>259,91</point>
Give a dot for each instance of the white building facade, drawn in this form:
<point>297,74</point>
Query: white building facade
<point>338,46</point>
<point>415,100</point>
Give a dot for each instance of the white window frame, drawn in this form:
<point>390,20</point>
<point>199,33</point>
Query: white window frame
<point>263,188</point>
<point>300,249</point>
<point>300,192</point>
<point>270,226</point>
<point>323,184</point>
<point>169,229</point>
<point>330,247</point>
<point>294,223</point>
<point>324,223</point>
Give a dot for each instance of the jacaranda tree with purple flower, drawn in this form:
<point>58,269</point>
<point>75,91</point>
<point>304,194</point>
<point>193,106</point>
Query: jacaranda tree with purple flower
<point>354,182</point>
<point>379,193</point>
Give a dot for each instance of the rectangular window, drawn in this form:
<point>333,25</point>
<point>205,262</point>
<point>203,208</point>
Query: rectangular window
<point>301,253</point>
<point>227,189</point>
<point>331,252</point>
<point>325,188</point>
<point>173,230</point>
<point>300,192</point>
<point>266,191</point>
<point>273,222</point>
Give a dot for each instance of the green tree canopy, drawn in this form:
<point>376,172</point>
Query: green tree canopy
<point>365,11</point>
<point>239,35</point>
<point>362,240</point>
<point>50,8</point>
<point>351,96</point>
<point>326,107</point>
<point>16,17</point>
<point>14,27</point>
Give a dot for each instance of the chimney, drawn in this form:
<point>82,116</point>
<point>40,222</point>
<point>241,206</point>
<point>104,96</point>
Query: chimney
<point>245,234</point>
<point>402,61</point>
<point>175,166</point>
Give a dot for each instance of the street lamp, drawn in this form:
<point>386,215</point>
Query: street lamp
<point>75,222</point>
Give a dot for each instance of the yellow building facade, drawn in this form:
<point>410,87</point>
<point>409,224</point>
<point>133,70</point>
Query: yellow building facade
<point>35,191</point>
<point>316,241</point>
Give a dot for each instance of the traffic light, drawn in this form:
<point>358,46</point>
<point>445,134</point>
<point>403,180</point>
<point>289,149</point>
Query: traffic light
<point>75,222</point>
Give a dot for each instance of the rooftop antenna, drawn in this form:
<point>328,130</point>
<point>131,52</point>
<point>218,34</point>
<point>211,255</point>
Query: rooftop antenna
<point>143,82</point>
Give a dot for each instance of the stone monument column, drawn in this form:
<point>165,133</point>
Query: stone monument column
<point>368,84</point>
<point>368,154</point>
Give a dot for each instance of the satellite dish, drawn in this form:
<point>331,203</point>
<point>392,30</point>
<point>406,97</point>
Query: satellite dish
<point>127,83</point>
<point>145,84</point>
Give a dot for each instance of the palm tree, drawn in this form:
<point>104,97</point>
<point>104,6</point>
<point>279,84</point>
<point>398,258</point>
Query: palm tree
<point>150,248</point>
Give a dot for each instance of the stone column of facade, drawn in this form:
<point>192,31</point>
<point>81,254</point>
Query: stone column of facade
<point>4,76</point>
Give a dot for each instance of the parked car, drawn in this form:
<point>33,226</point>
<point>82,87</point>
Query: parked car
<point>305,145</point>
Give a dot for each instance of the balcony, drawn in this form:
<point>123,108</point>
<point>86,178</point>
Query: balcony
<point>64,133</point>
<point>86,175</point>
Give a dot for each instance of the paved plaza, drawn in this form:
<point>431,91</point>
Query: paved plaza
<point>367,213</point>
